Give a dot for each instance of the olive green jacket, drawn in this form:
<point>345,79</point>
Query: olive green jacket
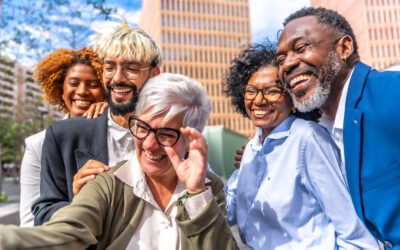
<point>106,213</point>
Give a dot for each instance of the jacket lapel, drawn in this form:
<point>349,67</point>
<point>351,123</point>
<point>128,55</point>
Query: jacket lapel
<point>97,143</point>
<point>352,135</point>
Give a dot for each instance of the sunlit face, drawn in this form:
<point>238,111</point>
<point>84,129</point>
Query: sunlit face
<point>308,62</point>
<point>81,88</point>
<point>121,92</point>
<point>264,114</point>
<point>152,157</point>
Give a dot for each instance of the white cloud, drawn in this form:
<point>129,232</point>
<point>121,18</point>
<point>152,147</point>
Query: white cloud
<point>132,16</point>
<point>267,16</point>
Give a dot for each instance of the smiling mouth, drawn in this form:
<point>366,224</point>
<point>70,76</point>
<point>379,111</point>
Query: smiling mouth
<point>263,112</point>
<point>299,79</point>
<point>82,102</point>
<point>153,157</point>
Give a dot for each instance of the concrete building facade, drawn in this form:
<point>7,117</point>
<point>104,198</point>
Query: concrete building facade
<point>17,88</point>
<point>199,38</point>
<point>376,25</point>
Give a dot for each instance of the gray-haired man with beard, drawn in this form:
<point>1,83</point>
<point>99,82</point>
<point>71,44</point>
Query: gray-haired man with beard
<point>319,63</point>
<point>75,150</point>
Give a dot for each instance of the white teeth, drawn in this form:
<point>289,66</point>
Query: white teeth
<point>121,90</point>
<point>299,78</point>
<point>82,102</point>
<point>262,112</point>
<point>153,157</point>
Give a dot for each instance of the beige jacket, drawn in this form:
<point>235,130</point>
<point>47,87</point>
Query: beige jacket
<point>106,212</point>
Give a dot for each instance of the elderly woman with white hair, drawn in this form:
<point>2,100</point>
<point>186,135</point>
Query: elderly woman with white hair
<point>155,200</point>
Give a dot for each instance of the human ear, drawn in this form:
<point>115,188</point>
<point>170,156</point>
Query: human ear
<point>154,71</point>
<point>345,47</point>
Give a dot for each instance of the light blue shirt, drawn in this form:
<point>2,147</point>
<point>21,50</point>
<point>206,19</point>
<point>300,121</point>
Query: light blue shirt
<point>289,193</point>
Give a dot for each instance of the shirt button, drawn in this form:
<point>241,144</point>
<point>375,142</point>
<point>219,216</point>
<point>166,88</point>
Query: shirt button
<point>388,244</point>
<point>129,151</point>
<point>355,122</point>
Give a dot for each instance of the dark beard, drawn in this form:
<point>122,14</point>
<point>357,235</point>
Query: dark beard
<point>122,109</point>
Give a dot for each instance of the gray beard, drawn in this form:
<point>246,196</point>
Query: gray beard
<point>326,76</point>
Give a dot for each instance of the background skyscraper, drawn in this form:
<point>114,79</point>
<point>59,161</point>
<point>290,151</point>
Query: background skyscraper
<point>376,25</point>
<point>199,38</point>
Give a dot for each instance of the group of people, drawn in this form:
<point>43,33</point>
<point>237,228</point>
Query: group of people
<point>136,175</point>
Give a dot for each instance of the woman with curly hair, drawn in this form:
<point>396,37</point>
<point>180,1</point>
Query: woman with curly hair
<point>289,192</point>
<point>70,79</point>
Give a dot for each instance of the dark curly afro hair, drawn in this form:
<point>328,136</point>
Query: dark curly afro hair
<point>51,71</point>
<point>244,66</point>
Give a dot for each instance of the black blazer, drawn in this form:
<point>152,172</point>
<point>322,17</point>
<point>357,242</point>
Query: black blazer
<point>68,145</point>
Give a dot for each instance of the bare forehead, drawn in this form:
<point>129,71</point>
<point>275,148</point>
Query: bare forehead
<point>302,27</point>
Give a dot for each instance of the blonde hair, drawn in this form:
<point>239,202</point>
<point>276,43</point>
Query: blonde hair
<point>114,39</point>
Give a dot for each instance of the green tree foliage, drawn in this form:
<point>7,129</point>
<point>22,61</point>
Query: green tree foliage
<point>35,28</point>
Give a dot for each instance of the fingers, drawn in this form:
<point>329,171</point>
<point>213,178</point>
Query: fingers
<point>196,139</point>
<point>80,183</point>
<point>87,172</point>
<point>95,110</point>
<point>173,156</point>
<point>239,155</point>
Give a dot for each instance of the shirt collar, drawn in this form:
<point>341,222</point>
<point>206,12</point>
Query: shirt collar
<point>116,131</point>
<point>339,118</point>
<point>132,175</point>
<point>281,131</point>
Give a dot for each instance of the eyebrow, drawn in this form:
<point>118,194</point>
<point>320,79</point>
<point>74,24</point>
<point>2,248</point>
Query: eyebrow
<point>290,44</point>
<point>124,63</point>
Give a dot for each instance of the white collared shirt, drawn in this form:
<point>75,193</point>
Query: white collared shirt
<point>120,143</point>
<point>335,127</point>
<point>158,229</point>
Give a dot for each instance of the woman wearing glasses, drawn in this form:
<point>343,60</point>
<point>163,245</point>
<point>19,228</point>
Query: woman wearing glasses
<point>155,200</point>
<point>289,192</point>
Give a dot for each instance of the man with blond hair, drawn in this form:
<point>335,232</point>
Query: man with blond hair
<point>76,150</point>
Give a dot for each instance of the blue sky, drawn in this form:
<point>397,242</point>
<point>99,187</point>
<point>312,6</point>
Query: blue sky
<point>266,19</point>
<point>266,15</point>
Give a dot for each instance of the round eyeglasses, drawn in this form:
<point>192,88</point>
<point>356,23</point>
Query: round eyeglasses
<point>130,70</point>
<point>271,93</point>
<point>166,137</point>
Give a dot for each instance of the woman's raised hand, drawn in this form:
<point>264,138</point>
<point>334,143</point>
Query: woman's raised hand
<point>192,171</point>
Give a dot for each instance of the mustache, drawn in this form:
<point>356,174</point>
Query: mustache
<point>309,70</point>
<point>123,85</point>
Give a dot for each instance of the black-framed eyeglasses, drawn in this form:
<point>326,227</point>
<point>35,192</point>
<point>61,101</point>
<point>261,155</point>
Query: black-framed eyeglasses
<point>131,70</point>
<point>271,93</point>
<point>166,137</point>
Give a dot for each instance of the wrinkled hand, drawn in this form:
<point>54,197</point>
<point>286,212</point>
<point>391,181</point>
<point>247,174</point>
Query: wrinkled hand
<point>86,173</point>
<point>95,110</point>
<point>192,171</point>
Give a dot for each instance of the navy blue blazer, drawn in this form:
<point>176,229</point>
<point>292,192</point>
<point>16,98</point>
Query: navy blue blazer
<point>371,137</point>
<point>68,145</point>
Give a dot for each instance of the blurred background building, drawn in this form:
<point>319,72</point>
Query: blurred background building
<point>376,25</point>
<point>199,38</point>
<point>20,93</point>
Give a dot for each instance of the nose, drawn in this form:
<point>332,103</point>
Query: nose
<point>259,99</point>
<point>150,142</point>
<point>119,75</point>
<point>82,89</point>
<point>290,63</point>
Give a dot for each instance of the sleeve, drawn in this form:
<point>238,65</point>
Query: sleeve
<point>53,196</point>
<point>76,226</point>
<point>322,168</point>
<point>209,230</point>
<point>30,178</point>
<point>231,197</point>
<point>196,204</point>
